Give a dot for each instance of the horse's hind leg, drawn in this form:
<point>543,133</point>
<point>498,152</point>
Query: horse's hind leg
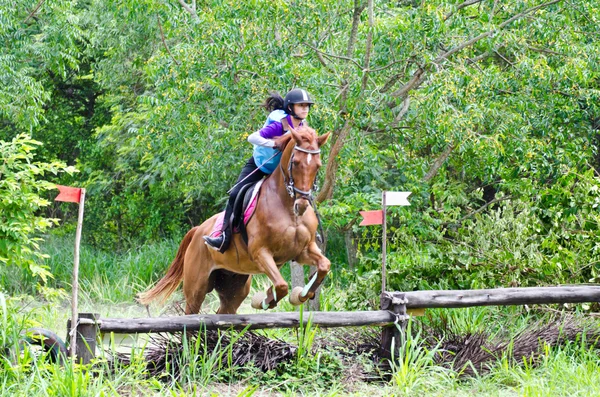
<point>232,289</point>
<point>197,280</point>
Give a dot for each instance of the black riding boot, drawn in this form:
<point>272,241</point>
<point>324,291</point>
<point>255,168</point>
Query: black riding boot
<point>249,174</point>
<point>216,243</point>
<point>221,243</point>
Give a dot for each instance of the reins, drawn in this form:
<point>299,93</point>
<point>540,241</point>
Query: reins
<point>257,168</point>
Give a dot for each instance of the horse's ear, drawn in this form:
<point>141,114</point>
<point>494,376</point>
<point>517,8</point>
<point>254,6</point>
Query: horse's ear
<point>296,135</point>
<point>323,138</point>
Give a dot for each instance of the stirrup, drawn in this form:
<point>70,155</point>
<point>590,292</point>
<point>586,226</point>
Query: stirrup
<point>214,243</point>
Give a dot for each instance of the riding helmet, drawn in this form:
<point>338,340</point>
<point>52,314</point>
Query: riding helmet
<point>297,95</point>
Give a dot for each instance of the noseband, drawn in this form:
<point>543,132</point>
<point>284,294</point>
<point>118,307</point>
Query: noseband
<point>289,183</point>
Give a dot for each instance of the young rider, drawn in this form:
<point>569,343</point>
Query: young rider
<point>286,112</point>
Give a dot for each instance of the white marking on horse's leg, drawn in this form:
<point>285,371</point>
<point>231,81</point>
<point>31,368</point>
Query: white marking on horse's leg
<point>310,283</point>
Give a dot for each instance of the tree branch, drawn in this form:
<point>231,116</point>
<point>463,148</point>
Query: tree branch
<point>545,51</point>
<point>477,211</point>
<point>35,10</point>
<point>369,47</point>
<point>437,164</point>
<point>402,112</point>
<point>322,61</point>
<point>162,36</point>
<point>418,77</point>
<point>358,9</point>
<point>384,67</point>
<point>332,163</point>
<point>503,57</point>
<point>415,81</point>
<point>460,7</point>
<point>335,56</point>
<point>189,8</point>
<point>397,119</point>
<point>479,57</point>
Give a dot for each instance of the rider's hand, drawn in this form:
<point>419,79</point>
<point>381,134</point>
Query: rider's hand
<point>281,142</point>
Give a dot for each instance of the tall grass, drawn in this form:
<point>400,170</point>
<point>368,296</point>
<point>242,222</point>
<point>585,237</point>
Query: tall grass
<point>569,370</point>
<point>414,368</point>
<point>103,276</point>
<point>109,281</point>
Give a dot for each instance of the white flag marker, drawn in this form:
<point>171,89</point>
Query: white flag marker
<point>396,198</point>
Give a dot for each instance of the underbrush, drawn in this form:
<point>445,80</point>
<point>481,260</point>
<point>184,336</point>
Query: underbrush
<point>319,361</point>
<point>492,351</point>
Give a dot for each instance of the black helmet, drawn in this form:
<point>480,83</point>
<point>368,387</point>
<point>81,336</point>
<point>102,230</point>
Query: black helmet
<point>297,95</point>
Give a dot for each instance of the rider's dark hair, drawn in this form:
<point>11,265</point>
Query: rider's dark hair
<point>274,102</point>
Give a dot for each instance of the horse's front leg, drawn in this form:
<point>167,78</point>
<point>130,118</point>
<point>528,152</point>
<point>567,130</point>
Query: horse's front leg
<point>313,257</point>
<point>279,290</point>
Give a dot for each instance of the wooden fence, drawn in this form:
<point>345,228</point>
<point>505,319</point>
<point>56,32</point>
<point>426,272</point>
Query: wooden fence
<point>394,306</point>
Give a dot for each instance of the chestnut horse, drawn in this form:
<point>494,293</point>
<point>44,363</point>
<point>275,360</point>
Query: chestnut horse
<point>283,228</point>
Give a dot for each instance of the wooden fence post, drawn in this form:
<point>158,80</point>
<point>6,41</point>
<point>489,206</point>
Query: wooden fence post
<point>391,335</point>
<point>86,335</point>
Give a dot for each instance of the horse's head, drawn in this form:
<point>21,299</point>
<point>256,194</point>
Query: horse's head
<point>303,158</point>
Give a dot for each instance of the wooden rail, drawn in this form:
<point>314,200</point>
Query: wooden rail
<point>393,305</point>
<point>414,300</point>
<point>501,296</point>
<point>241,321</point>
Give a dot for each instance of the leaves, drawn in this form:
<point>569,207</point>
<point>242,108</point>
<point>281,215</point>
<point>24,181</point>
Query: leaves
<point>21,188</point>
<point>487,112</point>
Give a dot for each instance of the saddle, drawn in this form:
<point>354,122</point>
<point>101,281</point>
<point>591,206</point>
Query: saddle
<point>243,209</point>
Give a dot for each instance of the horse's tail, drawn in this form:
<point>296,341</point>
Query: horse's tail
<point>169,283</point>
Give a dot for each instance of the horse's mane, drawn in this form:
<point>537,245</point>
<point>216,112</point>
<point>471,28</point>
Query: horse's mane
<point>304,132</point>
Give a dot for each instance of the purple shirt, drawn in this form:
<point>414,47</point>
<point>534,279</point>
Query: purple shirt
<point>265,157</point>
<point>275,129</point>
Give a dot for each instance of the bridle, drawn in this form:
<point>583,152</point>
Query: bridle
<point>289,183</point>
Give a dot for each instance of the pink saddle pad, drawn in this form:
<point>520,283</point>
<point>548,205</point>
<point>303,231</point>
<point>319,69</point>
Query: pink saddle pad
<point>247,212</point>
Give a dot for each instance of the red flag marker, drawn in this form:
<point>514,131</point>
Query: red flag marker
<point>69,194</point>
<point>371,218</point>
<point>74,195</point>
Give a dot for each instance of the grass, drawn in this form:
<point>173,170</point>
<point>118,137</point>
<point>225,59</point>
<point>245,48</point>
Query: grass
<point>109,283</point>
<point>572,369</point>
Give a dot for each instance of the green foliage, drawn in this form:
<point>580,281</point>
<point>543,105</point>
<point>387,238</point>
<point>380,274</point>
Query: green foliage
<point>488,113</point>
<point>21,191</point>
<point>34,41</point>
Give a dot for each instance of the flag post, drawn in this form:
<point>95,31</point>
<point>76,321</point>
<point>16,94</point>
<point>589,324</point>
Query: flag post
<point>383,247</point>
<point>74,195</point>
<point>75,282</point>
<point>379,217</point>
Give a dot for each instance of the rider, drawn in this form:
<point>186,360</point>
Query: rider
<point>285,112</point>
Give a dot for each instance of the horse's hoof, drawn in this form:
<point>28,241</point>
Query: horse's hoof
<point>257,300</point>
<point>296,296</point>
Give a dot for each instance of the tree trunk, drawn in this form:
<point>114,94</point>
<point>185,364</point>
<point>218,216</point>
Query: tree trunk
<point>351,248</point>
<point>332,164</point>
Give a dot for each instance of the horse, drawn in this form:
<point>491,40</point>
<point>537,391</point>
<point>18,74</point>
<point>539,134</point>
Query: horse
<point>282,228</point>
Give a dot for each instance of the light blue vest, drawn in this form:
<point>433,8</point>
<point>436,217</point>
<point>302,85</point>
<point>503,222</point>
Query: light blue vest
<point>261,153</point>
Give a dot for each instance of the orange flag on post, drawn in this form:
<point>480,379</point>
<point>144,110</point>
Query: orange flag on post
<point>68,194</point>
<point>371,218</point>
<point>74,195</point>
